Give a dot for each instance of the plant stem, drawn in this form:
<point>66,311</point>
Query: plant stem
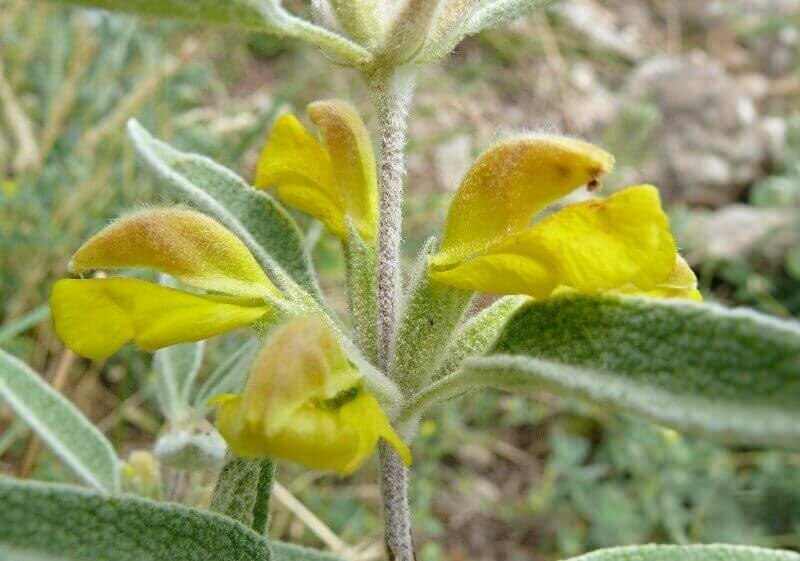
<point>396,510</point>
<point>391,94</point>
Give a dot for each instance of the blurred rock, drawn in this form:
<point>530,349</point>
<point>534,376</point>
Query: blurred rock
<point>451,160</point>
<point>601,27</point>
<point>777,53</point>
<point>735,231</point>
<point>591,103</point>
<point>711,142</point>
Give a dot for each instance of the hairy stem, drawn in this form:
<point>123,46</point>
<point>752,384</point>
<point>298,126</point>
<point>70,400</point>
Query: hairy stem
<point>391,94</point>
<point>396,511</point>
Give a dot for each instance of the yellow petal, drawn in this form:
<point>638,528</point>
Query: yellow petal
<point>317,203</point>
<point>681,283</point>
<point>302,361</point>
<point>299,167</point>
<point>304,402</point>
<point>186,244</point>
<point>511,182</point>
<point>315,438</point>
<point>335,439</point>
<point>95,317</point>
<point>350,149</point>
<point>591,247</point>
<point>365,413</point>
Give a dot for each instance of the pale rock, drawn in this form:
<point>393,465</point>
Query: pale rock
<point>451,161</point>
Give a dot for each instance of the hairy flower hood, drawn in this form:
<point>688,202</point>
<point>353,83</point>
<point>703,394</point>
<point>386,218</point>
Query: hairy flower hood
<point>622,243</point>
<point>305,402</point>
<point>333,180</point>
<point>95,317</point>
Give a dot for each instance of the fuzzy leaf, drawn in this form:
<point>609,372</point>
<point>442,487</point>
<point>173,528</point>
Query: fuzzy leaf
<point>258,15</point>
<point>176,368</point>
<point>477,334</point>
<point>243,491</point>
<point>360,19</point>
<point>716,552</point>
<point>230,376</point>
<point>258,220</point>
<point>46,522</point>
<point>60,425</point>
<point>229,12</point>
<point>498,12</point>
<point>360,263</point>
<point>730,374</point>
<point>430,315</point>
<point>448,29</point>
<point>18,326</point>
<point>290,552</point>
<point>64,523</point>
<point>406,30</point>
<point>468,17</point>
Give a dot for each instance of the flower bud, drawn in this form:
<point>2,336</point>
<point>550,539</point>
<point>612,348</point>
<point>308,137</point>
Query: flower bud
<point>141,474</point>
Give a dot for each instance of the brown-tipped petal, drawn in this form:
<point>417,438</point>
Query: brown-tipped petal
<point>350,149</point>
<point>188,245</point>
<point>511,182</point>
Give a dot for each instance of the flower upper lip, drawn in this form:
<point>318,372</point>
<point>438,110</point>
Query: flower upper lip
<point>599,245</point>
<point>95,317</point>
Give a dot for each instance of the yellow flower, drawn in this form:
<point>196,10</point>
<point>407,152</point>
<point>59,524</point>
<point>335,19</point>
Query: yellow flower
<point>305,403</point>
<point>622,243</point>
<point>333,181</point>
<point>95,317</point>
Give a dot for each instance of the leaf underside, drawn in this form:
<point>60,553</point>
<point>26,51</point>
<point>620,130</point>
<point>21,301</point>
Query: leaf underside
<point>60,425</point>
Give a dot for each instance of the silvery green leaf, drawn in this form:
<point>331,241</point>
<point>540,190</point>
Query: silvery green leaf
<point>24,323</point>
<point>229,377</point>
<point>44,522</point>
<point>429,317</point>
<point>448,29</point>
<point>244,13</point>
<point>256,218</point>
<point>11,434</point>
<point>291,552</point>
<point>59,424</point>
<point>360,264</point>
<point>729,374</point>
<point>476,335</point>
<point>243,491</point>
<point>409,22</point>
<point>191,444</point>
<point>176,369</point>
<point>258,15</point>
<point>468,17</point>
<point>360,19</point>
<point>716,552</point>
<point>494,13</point>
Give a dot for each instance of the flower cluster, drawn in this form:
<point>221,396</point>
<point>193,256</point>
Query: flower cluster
<point>305,401</point>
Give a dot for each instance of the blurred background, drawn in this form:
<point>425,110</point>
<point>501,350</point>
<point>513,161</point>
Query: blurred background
<point>701,98</point>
